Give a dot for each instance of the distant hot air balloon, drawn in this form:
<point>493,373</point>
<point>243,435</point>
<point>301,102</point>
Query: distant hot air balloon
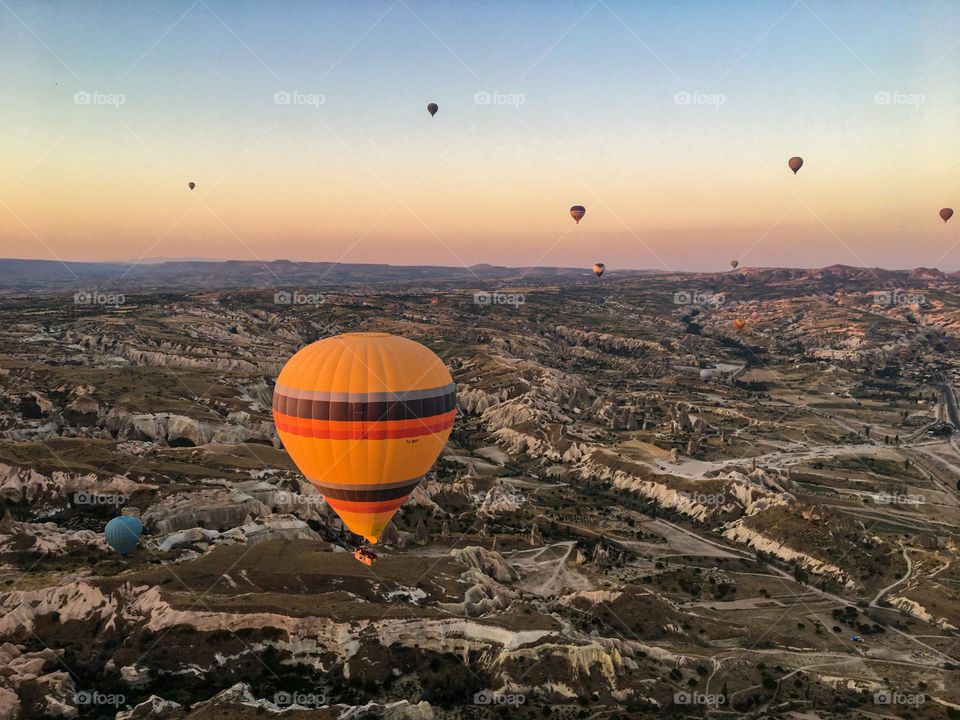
<point>754,315</point>
<point>598,269</point>
<point>432,109</point>
<point>435,301</point>
<point>364,416</point>
<point>123,533</point>
<point>739,323</point>
<point>191,185</point>
<point>577,212</point>
<point>734,264</point>
<point>946,214</point>
<point>795,164</point>
<point>706,374</point>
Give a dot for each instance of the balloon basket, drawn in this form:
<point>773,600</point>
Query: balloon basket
<point>367,557</point>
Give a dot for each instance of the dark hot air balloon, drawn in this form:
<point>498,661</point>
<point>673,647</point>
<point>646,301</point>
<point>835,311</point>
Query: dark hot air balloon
<point>598,269</point>
<point>946,214</point>
<point>577,212</point>
<point>734,264</point>
<point>795,164</point>
<point>432,109</point>
<point>191,185</point>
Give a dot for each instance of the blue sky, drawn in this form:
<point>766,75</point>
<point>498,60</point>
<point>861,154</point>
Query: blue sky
<point>670,122</point>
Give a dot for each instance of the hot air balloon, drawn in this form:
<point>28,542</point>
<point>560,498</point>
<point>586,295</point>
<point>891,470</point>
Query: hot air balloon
<point>734,264</point>
<point>191,185</point>
<point>123,533</point>
<point>795,164</point>
<point>432,109</point>
<point>706,374</point>
<point>739,323</point>
<point>946,214</point>
<point>577,212</point>
<point>364,416</point>
<point>598,269</point>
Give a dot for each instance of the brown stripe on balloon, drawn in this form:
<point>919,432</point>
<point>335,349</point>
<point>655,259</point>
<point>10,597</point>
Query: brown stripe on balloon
<point>374,495</point>
<point>375,411</point>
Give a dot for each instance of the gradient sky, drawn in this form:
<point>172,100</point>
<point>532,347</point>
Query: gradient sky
<point>369,176</point>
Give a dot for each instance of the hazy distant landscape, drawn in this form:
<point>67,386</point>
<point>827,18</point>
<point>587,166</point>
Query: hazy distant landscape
<point>51,274</point>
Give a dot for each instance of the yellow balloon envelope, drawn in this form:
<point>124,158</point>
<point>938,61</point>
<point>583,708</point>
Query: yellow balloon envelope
<point>364,416</point>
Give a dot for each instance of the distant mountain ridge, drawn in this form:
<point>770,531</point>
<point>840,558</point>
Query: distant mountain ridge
<point>186,274</point>
<point>25,275</point>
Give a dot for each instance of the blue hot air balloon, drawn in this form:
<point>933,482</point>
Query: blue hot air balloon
<point>123,533</point>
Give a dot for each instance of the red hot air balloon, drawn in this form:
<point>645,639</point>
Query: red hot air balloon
<point>795,164</point>
<point>946,214</point>
<point>739,324</point>
<point>598,269</point>
<point>432,109</point>
<point>577,212</point>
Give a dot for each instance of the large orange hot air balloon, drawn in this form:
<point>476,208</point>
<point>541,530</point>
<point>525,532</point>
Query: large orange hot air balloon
<point>577,212</point>
<point>598,269</point>
<point>795,164</point>
<point>946,214</point>
<point>739,324</point>
<point>364,416</point>
<point>432,109</point>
